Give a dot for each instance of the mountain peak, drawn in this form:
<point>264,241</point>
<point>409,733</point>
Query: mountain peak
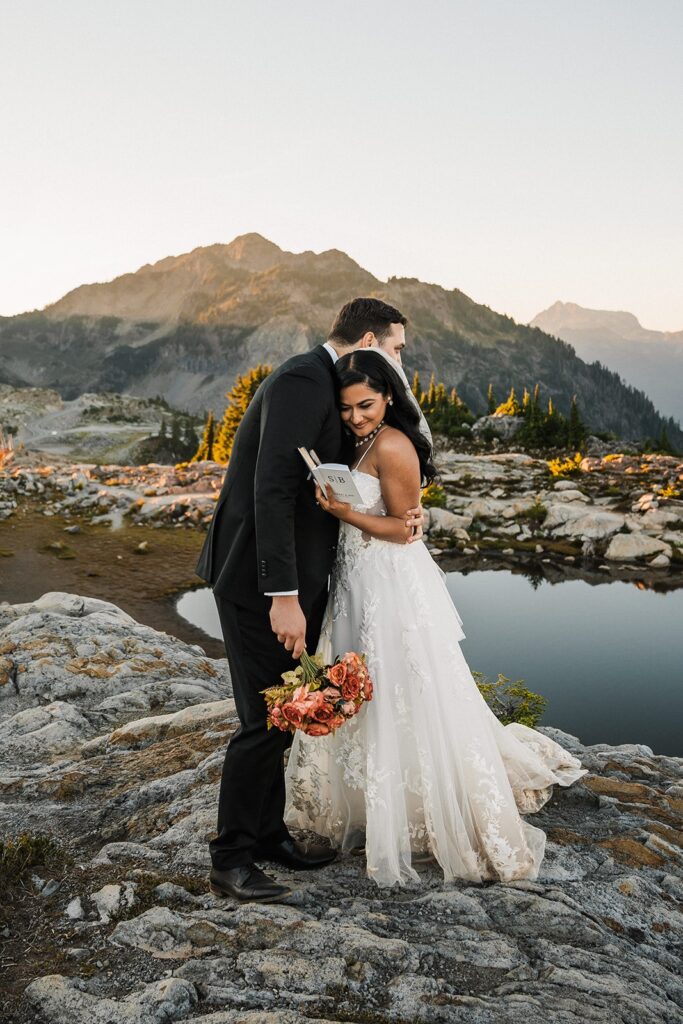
<point>570,316</point>
<point>254,252</point>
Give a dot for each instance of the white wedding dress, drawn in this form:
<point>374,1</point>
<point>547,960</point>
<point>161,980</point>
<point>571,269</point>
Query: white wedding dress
<point>425,767</point>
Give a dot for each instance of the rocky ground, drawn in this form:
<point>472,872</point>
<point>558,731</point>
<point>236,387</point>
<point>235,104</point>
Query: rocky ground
<point>112,738</point>
<point>151,494</point>
<point>614,514</point>
<point>96,426</point>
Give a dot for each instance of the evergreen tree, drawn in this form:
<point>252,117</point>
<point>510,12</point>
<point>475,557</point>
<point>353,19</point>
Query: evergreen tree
<point>239,397</point>
<point>663,442</point>
<point>162,429</point>
<point>576,430</point>
<point>537,428</point>
<point>205,451</point>
<point>416,387</point>
<point>176,438</point>
<point>445,413</point>
<point>553,427</point>
<point>491,401</point>
<point>431,394</point>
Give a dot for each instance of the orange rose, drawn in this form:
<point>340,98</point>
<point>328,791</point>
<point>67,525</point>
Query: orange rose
<point>335,722</point>
<point>337,674</point>
<point>293,713</point>
<point>368,688</point>
<point>351,687</point>
<point>323,713</point>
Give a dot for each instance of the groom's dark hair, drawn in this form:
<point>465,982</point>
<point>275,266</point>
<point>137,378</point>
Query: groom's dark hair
<point>359,316</point>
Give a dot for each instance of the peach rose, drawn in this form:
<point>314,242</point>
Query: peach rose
<point>313,701</point>
<point>277,719</point>
<point>317,729</point>
<point>337,674</point>
<point>368,688</point>
<point>348,709</point>
<point>331,694</point>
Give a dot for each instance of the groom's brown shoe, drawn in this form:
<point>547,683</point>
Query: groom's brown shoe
<point>247,882</point>
<point>294,855</point>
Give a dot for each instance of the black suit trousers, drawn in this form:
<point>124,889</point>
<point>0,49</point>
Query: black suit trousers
<point>251,802</point>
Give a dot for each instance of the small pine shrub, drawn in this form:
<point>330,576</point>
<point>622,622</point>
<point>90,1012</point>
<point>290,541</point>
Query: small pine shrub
<point>24,851</point>
<point>536,513</point>
<point>511,701</point>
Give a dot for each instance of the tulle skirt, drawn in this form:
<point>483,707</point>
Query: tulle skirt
<point>425,767</point>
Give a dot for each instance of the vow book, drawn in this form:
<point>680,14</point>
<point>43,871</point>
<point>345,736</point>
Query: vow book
<point>334,474</point>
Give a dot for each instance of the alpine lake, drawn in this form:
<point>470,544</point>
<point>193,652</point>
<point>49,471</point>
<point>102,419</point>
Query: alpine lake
<point>607,653</point>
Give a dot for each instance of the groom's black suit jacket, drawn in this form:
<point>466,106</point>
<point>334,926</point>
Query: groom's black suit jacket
<point>267,532</point>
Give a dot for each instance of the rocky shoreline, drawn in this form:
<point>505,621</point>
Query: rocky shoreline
<point>112,738</point>
<point>613,514</point>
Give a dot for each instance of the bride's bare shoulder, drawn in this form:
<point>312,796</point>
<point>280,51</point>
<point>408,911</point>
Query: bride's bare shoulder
<point>395,445</point>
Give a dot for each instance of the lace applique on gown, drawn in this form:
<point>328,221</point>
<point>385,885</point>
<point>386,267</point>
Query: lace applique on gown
<point>425,767</point>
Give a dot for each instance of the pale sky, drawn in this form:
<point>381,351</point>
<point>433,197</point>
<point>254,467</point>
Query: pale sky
<point>521,150</point>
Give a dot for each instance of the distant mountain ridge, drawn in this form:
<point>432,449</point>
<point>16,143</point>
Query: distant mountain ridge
<point>184,326</point>
<point>651,360</point>
<point>206,285</point>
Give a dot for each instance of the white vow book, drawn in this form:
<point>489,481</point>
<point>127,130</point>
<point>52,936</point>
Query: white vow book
<point>335,474</point>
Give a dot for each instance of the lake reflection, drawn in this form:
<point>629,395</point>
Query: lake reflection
<point>608,658</point>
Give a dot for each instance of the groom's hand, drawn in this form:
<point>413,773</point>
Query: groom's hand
<point>414,520</point>
<point>289,623</point>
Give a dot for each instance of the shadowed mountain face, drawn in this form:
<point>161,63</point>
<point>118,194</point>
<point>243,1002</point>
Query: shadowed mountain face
<point>651,360</point>
<point>183,327</point>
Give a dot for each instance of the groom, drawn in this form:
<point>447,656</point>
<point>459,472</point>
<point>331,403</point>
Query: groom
<point>268,554</point>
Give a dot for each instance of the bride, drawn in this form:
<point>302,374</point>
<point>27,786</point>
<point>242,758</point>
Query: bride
<point>425,769</point>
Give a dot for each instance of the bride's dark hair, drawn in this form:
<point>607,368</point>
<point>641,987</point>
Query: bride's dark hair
<point>363,366</point>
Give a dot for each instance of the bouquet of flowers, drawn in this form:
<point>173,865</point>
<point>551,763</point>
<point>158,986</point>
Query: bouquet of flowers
<point>318,698</point>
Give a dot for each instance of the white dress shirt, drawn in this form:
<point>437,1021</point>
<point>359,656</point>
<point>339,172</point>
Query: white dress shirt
<point>292,593</point>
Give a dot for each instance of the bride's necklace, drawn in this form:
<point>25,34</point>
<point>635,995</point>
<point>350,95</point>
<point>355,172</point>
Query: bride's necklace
<point>364,440</point>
